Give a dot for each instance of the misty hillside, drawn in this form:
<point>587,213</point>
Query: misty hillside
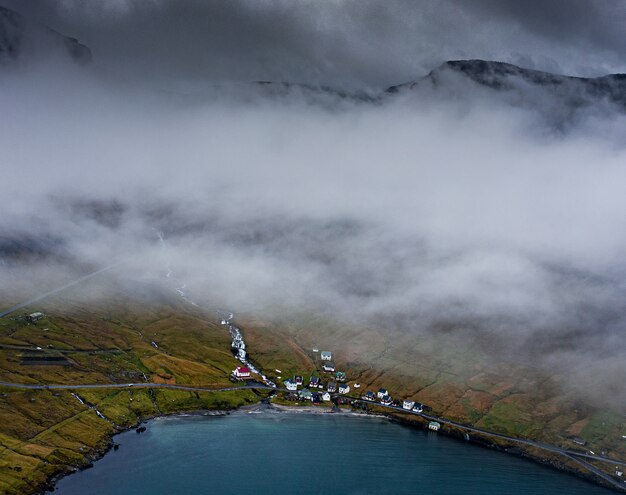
<point>524,87</point>
<point>557,98</point>
<point>21,38</point>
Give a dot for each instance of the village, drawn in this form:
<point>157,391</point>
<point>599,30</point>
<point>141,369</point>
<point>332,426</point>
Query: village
<point>334,388</point>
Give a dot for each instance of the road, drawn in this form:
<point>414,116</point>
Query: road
<point>578,457</point>
<point>260,386</point>
<point>38,298</point>
<point>110,386</point>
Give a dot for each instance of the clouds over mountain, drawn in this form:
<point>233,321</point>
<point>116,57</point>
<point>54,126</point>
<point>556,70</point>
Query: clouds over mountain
<point>347,43</point>
<point>457,202</point>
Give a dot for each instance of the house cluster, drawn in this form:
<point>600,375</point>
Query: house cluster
<point>383,397</point>
<point>315,384</point>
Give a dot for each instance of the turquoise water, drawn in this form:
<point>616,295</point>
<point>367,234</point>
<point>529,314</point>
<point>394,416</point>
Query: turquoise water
<point>271,453</point>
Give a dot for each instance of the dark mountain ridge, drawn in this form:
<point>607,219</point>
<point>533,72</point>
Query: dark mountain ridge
<point>22,38</point>
<point>504,77</point>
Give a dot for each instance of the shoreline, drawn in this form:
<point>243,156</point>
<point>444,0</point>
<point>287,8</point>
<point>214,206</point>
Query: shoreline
<point>265,407</point>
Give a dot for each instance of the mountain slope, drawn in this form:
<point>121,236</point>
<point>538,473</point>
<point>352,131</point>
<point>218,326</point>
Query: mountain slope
<point>23,39</point>
<point>522,85</point>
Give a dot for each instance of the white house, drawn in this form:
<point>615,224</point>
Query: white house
<point>433,425</point>
<point>408,404</point>
<point>386,400</point>
<point>418,408</point>
<point>242,372</point>
<point>328,366</point>
<point>326,355</point>
<point>325,396</point>
<point>289,385</point>
<point>382,392</point>
<point>34,317</point>
<point>344,388</point>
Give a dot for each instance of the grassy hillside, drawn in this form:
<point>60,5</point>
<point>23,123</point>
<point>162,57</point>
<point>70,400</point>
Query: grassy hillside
<point>119,332</point>
<point>46,432</point>
<point>459,378</point>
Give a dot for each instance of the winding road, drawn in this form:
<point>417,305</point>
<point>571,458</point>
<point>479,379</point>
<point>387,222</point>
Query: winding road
<point>38,298</point>
<point>579,457</point>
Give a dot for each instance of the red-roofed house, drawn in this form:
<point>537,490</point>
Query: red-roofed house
<point>242,372</point>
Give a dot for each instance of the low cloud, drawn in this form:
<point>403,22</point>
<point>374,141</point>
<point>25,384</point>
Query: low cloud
<point>418,210</point>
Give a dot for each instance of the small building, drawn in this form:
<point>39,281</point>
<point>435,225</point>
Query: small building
<point>332,387</point>
<point>290,385</point>
<point>369,395</point>
<point>357,385</point>
<point>316,398</point>
<point>34,317</point>
<point>344,388</point>
<point>305,394</point>
<point>314,382</point>
<point>298,379</point>
<point>341,376</point>
<point>434,426</point>
<point>418,407</point>
<point>579,441</point>
<point>242,372</point>
<point>329,366</point>
<point>408,405</point>
<point>386,400</point>
<point>325,396</point>
<point>326,356</point>
<point>382,392</point>
<point>619,471</point>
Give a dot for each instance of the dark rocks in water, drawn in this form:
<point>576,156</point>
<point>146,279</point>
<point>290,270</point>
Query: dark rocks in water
<point>141,429</point>
<point>116,446</point>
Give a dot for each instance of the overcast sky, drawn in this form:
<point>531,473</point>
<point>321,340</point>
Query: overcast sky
<point>341,42</point>
<point>456,204</point>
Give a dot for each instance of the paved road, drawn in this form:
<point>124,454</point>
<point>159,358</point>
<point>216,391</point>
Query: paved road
<point>598,472</point>
<point>48,350</point>
<point>38,298</point>
<point>259,386</point>
<point>28,386</point>
<point>524,441</point>
<point>572,455</point>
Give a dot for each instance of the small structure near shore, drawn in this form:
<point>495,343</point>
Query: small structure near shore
<point>305,394</point>
<point>291,385</point>
<point>434,426</point>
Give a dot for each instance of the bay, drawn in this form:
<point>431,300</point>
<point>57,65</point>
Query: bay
<point>269,453</point>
